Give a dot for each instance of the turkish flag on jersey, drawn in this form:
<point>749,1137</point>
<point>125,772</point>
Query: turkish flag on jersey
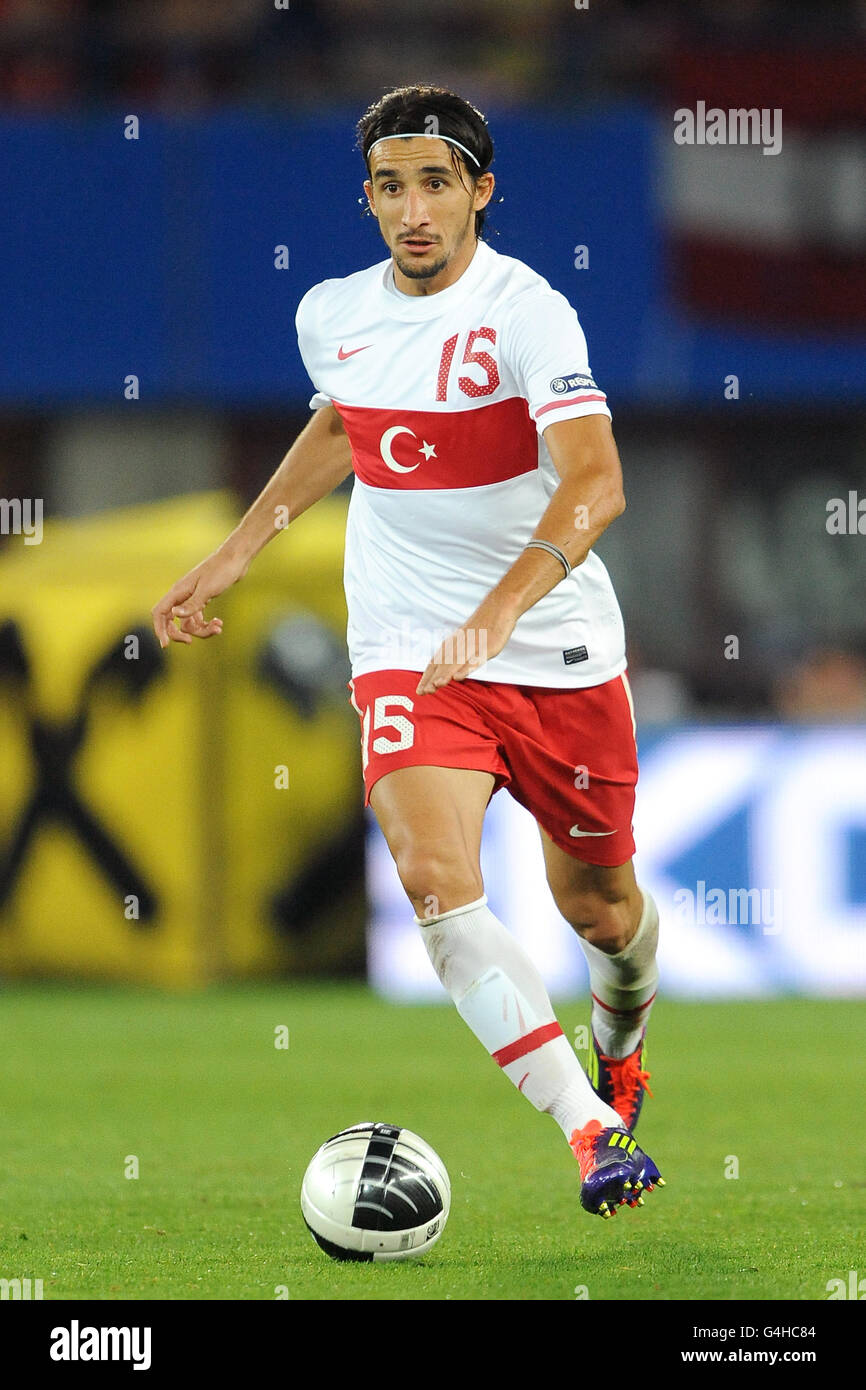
<point>441,449</point>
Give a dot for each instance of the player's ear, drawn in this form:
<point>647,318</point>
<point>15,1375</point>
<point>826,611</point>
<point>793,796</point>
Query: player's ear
<point>368,189</point>
<point>484,186</point>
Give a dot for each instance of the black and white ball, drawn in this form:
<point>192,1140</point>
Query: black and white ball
<point>376,1192</point>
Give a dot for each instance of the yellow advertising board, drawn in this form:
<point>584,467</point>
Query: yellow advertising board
<point>157,808</point>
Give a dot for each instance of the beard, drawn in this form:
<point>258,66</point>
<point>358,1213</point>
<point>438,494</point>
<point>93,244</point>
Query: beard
<point>413,271</point>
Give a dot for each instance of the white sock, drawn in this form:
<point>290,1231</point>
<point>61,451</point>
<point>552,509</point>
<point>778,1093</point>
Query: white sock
<point>624,986</point>
<point>501,996</point>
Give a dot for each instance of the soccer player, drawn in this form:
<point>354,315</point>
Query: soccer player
<point>486,642</point>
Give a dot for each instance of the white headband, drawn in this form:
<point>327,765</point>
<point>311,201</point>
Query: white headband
<point>423,135</point>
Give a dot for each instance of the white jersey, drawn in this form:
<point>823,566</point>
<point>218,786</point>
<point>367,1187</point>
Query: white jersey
<point>445,398</point>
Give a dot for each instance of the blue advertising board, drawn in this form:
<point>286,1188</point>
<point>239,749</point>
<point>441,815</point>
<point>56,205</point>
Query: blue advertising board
<point>752,841</point>
<point>158,257</point>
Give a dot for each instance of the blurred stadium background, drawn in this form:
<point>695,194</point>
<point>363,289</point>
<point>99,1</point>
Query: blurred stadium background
<point>175,175</point>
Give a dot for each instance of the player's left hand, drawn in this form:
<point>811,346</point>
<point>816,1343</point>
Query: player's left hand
<point>477,641</point>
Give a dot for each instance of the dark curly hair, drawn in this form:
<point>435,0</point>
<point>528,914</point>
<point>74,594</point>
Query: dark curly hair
<point>409,109</point>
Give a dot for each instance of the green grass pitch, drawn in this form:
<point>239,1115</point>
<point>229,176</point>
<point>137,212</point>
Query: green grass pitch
<point>223,1124</point>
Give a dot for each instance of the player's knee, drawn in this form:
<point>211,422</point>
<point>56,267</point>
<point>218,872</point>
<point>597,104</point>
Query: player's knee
<point>603,921</point>
<point>437,882</point>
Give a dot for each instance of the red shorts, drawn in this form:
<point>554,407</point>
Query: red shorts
<point>568,756</point>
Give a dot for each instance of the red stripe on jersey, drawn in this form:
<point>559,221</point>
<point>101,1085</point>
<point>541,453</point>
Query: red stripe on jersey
<point>528,1043</point>
<point>438,449</point>
<point>560,405</point>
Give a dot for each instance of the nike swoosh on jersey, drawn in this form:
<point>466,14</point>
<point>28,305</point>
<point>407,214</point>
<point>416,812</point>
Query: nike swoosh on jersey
<point>595,834</point>
<point>341,355</point>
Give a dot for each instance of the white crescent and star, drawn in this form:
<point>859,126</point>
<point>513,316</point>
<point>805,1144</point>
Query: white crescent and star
<point>428,450</point>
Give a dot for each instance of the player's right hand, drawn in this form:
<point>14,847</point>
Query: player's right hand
<point>186,600</point>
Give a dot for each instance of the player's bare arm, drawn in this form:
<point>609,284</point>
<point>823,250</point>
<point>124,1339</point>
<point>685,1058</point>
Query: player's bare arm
<point>318,461</point>
<point>587,500</point>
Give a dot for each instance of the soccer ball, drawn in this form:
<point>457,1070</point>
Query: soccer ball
<point>375,1192</point>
